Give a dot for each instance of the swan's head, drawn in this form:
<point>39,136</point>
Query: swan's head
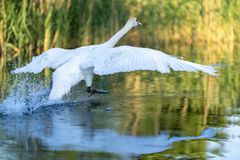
<point>133,22</point>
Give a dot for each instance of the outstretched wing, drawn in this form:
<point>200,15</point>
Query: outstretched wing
<point>51,59</point>
<point>127,58</point>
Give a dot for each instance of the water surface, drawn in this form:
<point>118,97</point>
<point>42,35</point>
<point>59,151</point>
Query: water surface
<point>147,115</point>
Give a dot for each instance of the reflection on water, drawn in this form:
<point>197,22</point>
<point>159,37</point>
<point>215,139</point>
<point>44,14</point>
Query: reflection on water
<point>71,129</point>
<point>146,114</point>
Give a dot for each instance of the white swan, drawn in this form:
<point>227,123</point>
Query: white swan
<point>55,57</point>
<point>82,63</point>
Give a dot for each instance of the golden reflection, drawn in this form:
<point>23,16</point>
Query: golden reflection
<point>210,96</point>
<point>174,102</point>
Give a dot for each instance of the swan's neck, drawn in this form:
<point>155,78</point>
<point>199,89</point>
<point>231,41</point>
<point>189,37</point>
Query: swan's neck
<point>114,39</point>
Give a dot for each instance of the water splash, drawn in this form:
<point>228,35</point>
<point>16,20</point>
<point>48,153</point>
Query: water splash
<point>30,93</point>
<point>25,97</point>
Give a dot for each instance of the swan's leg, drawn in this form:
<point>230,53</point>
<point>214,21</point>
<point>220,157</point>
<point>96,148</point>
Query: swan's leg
<point>88,77</point>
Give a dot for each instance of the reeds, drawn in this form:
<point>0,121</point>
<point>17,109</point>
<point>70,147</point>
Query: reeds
<point>29,27</point>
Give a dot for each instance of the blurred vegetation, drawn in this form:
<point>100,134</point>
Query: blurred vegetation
<point>27,27</point>
<point>204,31</point>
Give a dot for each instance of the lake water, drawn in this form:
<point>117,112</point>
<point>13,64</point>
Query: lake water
<point>146,115</point>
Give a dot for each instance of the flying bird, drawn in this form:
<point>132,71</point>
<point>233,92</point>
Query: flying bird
<point>75,65</point>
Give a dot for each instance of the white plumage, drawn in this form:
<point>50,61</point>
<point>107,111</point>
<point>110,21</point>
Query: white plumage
<point>127,58</point>
<point>52,58</point>
<point>82,63</point>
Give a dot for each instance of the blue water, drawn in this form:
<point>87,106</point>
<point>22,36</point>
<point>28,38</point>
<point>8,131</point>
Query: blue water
<point>135,121</point>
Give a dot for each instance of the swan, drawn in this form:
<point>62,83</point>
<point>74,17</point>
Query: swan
<point>73,66</point>
<point>55,57</point>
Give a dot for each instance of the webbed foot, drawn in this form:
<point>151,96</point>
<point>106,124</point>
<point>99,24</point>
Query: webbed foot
<point>94,91</point>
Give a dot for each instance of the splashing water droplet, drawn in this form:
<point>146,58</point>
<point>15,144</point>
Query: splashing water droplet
<point>24,98</point>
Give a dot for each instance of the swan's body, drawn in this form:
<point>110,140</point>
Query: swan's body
<point>82,63</point>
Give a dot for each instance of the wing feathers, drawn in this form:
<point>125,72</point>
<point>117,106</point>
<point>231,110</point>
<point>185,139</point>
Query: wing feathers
<point>126,59</point>
<point>51,58</point>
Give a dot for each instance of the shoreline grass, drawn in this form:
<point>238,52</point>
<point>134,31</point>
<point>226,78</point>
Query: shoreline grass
<point>29,27</point>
